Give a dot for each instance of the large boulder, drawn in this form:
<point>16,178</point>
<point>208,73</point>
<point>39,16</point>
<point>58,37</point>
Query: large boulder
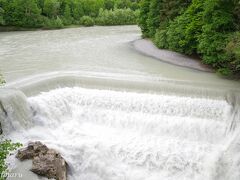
<point>45,162</point>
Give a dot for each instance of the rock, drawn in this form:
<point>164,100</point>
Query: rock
<point>32,150</point>
<point>46,162</point>
<point>51,165</point>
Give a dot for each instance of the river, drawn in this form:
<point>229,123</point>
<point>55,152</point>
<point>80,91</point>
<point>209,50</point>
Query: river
<point>112,112</point>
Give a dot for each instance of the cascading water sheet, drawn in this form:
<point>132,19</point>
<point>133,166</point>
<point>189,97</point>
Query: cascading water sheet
<point>116,135</point>
<point>129,134</point>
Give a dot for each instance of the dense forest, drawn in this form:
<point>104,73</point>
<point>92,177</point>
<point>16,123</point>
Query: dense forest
<point>60,13</point>
<point>207,28</point>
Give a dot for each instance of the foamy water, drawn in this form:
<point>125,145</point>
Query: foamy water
<point>114,135</point>
<point>125,116</point>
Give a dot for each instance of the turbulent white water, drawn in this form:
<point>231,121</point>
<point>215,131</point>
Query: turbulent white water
<point>113,113</point>
<point>114,135</point>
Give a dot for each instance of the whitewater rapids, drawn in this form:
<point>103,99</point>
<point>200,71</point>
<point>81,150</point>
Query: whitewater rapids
<point>116,135</point>
<point>113,113</point>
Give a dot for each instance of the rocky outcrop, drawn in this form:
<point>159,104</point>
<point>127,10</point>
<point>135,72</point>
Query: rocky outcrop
<point>45,162</point>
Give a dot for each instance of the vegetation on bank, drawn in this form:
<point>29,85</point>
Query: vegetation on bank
<point>59,13</point>
<point>209,28</point>
<point>6,147</point>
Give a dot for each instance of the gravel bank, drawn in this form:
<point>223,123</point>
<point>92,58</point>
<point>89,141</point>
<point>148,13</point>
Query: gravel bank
<point>148,48</point>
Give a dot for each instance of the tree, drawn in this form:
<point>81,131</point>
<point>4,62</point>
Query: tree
<point>183,32</point>
<point>218,25</point>
<point>67,15</point>
<point>92,7</point>
<point>2,22</point>
<point>109,4</point>
<point>57,13</point>
<point>78,11</point>
<point>153,20</point>
<point>122,4</point>
<point>51,8</point>
<point>40,4</point>
<point>143,17</point>
<point>23,13</point>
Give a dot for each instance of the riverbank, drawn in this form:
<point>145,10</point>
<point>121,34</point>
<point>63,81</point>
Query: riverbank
<point>146,47</point>
<point>16,28</point>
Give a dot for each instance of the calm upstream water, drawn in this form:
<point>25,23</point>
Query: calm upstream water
<point>116,114</point>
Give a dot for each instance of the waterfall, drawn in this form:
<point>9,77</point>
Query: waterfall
<point>15,112</point>
<point>123,135</point>
<point>227,164</point>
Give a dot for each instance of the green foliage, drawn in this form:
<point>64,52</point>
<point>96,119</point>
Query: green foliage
<point>218,25</point>
<point>51,8</point>
<point>67,16</point>
<point>153,20</point>
<point>233,53</point>
<point>109,4</point>
<point>117,17</point>
<point>160,39</point>
<point>182,33</point>
<point>6,147</point>
<point>2,22</point>
<point>156,14</point>
<point>59,13</point>
<point>209,28</point>
<point>77,10</point>
<point>92,7</point>
<point>122,4</point>
<point>23,13</point>
<point>53,23</point>
<point>87,21</point>
<point>143,17</point>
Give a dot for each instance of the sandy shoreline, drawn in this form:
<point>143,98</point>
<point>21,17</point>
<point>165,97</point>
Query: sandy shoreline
<point>148,48</point>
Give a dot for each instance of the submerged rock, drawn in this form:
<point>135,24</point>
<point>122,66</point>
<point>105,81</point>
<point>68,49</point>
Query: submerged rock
<point>46,162</point>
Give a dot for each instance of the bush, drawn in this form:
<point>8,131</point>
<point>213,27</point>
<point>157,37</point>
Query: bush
<point>233,53</point>
<point>53,23</point>
<point>210,28</point>
<point>117,17</point>
<point>1,17</point>
<point>153,21</point>
<point>47,13</point>
<point>217,29</point>
<point>160,39</point>
<point>87,21</point>
<point>23,13</point>
<point>6,147</point>
<point>183,32</point>
<point>156,14</point>
<point>67,17</point>
<point>143,17</point>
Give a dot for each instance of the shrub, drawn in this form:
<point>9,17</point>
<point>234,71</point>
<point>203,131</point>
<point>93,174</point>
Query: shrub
<point>183,32</point>
<point>2,22</point>
<point>53,23</point>
<point>6,147</point>
<point>160,39</point>
<point>143,17</point>
<point>87,21</point>
<point>218,26</point>
<point>157,14</point>
<point>67,17</point>
<point>233,53</point>
<point>23,13</point>
<point>153,21</point>
<point>117,17</point>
